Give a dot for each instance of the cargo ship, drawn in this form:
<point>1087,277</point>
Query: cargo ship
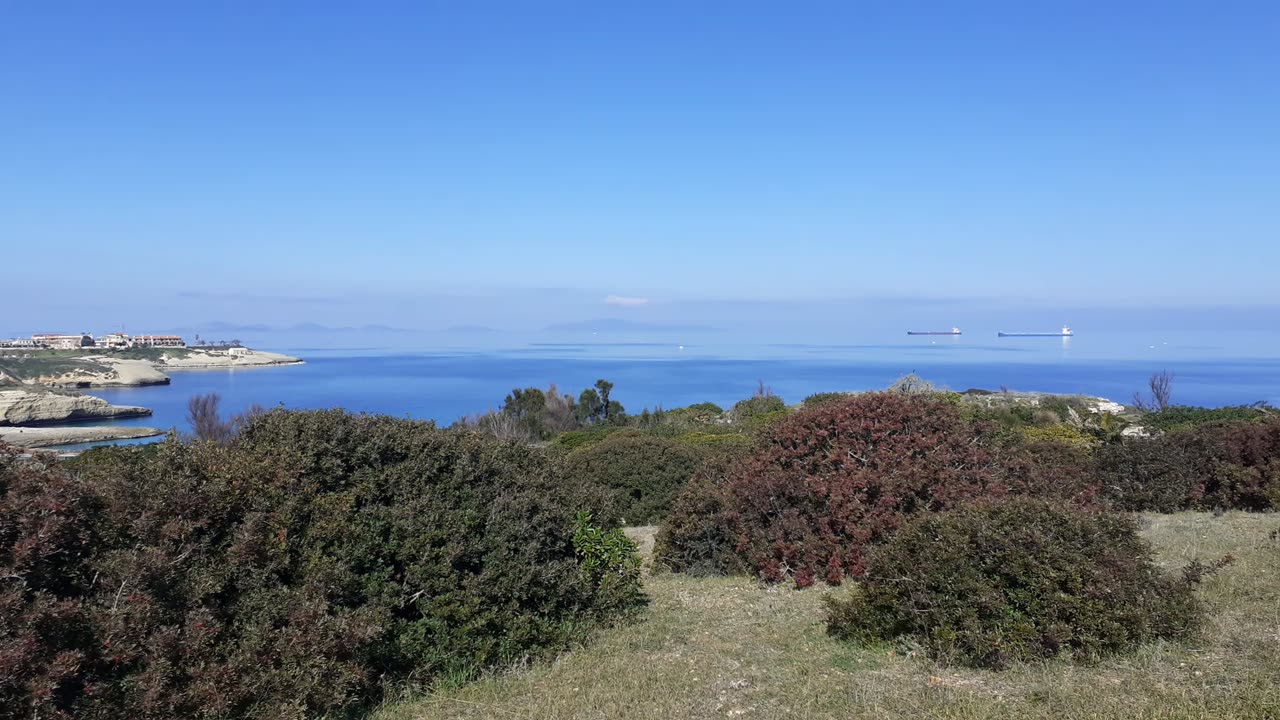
<point>1066,332</point>
<point>952,331</point>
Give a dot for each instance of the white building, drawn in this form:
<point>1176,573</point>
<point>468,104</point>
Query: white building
<point>158,341</point>
<point>113,340</point>
<point>18,343</point>
<point>56,341</point>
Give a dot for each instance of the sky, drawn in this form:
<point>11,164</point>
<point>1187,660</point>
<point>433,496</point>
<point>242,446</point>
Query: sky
<point>479,165</point>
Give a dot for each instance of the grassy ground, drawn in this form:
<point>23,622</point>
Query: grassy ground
<point>730,648</point>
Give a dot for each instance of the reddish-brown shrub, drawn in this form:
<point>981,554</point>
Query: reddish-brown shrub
<point>1242,471</point>
<point>1229,465</point>
<point>832,479</point>
<point>1049,470</point>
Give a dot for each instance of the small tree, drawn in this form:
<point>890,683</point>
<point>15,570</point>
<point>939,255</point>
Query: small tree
<point>205,421</point>
<point>1161,386</point>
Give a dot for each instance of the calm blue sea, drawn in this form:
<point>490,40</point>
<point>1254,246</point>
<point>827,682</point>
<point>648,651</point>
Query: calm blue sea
<point>446,384</point>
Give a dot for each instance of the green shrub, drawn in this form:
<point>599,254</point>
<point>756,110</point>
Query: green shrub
<point>609,562</point>
<point>825,397</point>
<point>1017,580</point>
<point>640,474</point>
<point>696,415</point>
<point>304,570</point>
<point>700,534</point>
<point>754,407</point>
<point>1064,434</point>
<point>578,439</point>
<point>1181,417</point>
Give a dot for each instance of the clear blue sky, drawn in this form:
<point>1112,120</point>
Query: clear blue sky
<point>425,164</point>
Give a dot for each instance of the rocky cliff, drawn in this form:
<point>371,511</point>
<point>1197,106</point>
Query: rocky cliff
<point>33,407</point>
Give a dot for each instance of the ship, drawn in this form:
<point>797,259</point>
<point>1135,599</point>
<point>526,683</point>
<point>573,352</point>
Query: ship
<point>952,331</point>
<point>1066,332</point>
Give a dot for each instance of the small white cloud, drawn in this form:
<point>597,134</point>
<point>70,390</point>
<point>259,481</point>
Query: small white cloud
<point>626,301</point>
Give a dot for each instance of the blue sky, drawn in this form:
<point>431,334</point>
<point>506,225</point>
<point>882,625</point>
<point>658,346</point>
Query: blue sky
<point>432,164</point>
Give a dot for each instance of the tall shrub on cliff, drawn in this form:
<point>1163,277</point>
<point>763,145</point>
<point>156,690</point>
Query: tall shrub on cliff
<point>316,562</point>
<point>833,479</point>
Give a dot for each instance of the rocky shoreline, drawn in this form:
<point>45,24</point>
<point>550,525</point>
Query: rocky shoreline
<point>38,437</point>
<point>32,398</point>
<point>205,360</point>
<point>32,406</point>
<point>103,369</point>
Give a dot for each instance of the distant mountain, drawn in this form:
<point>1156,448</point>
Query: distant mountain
<point>218,326</point>
<point>618,325</point>
<point>472,329</point>
<point>315,327</point>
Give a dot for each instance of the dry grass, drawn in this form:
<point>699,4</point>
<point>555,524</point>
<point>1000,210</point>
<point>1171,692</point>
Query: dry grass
<point>730,648</point>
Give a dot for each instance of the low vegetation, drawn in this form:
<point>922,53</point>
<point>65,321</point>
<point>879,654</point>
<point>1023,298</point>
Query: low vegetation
<point>1017,580</point>
<point>730,647</point>
<point>296,565</point>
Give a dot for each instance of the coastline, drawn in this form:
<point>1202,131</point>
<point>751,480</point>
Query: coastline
<point>25,436</point>
<point>257,359</point>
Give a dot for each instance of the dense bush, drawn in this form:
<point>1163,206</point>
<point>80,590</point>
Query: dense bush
<point>578,439</point>
<point>1178,417</point>
<point>825,397</point>
<point>1233,465</point>
<point>1017,579</point>
<point>1049,469</point>
<point>302,571</point>
<point>827,482</point>
<point>758,406</point>
<point>640,474</point>
<point>1059,433</point>
<point>700,535</point>
<point>1148,474</point>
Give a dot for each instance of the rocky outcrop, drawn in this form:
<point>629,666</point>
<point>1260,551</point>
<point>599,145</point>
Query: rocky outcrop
<point>35,407</point>
<point>36,437</point>
<point>237,358</point>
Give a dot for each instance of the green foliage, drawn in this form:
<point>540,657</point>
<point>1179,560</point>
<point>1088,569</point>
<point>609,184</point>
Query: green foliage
<point>712,441</point>
<point>747,410</point>
<point>595,406</point>
<point>1018,580</point>
<point>700,534</point>
<point>301,571</point>
<point>529,408</point>
<point>824,397</point>
<point>639,474</point>
<point>694,416</point>
<point>1182,417</point>
<point>579,439</point>
<point>1065,434</point>
<point>609,562</point>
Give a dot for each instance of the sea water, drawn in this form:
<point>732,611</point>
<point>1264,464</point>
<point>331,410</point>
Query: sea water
<point>444,384</point>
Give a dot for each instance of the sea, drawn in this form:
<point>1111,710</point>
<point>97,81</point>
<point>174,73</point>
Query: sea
<point>445,383</point>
